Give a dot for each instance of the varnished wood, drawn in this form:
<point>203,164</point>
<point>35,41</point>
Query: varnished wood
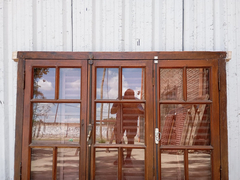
<point>214,125</point>
<point>83,120</point>
<point>186,164</point>
<point>54,164</point>
<point>119,145</point>
<point>171,147</point>
<point>116,60</point>
<point>184,102</point>
<point>120,83</point>
<point>26,151</point>
<point>120,162</point>
<point>184,55</point>
<point>223,119</point>
<point>19,119</point>
<point>55,101</point>
<point>184,83</point>
<point>118,101</point>
<point>57,76</point>
<point>54,145</point>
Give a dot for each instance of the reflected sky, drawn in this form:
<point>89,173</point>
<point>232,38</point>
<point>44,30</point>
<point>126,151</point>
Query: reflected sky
<point>108,81</point>
<point>44,83</point>
<point>70,83</point>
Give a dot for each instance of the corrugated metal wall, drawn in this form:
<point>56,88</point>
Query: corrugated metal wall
<point>120,25</point>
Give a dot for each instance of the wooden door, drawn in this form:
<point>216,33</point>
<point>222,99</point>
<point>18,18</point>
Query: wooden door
<point>188,110</point>
<point>122,104</point>
<point>54,124</point>
<point>71,133</point>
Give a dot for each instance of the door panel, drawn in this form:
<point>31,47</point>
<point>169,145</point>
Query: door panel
<point>188,113</point>
<point>122,103</point>
<point>55,119</point>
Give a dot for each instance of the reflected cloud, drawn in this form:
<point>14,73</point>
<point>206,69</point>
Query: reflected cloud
<point>76,84</point>
<point>45,85</point>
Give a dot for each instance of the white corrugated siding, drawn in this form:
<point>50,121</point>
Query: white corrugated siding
<point>120,25</point>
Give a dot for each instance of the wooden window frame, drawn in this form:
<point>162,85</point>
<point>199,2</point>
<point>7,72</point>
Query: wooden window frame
<point>23,56</point>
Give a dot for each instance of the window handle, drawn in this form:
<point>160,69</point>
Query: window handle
<point>89,129</point>
<point>158,136</point>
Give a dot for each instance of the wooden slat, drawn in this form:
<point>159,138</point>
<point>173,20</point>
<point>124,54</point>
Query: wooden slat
<point>19,119</point>
<point>54,164</point>
<point>57,83</point>
<point>56,101</point>
<point>185,84</point>
<point>26,137</point>
<point>184,102</point>
<point>120,83</point>
<point>83,113</point>
<point>186,164</point>
<point>215,125</point>
<point>223,119</point>
<point>119,145</point>
<point>120,162</point>
<point>118,101</point>
<point>191,55</point>
<point>54,145</point>
<point>169,147</point>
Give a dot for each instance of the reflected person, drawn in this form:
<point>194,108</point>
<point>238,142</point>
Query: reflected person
<point>127,120</point>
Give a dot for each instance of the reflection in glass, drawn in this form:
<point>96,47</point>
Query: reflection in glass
<point>133,78</point>
<point>56,123</point>
<point>106,164</point>
<point>107,83</point>
<point>199,165</point>
<point>185,124</point>
<point>134,167</point>
<point>105,122</point>
<point>172,166</point>
<point>171,84</point>
<point>70,83</point>
<point>44,83</point>
<point>68,164</point>
<point>121,123</point>
<point>197,84</point>
<point>41,164</point>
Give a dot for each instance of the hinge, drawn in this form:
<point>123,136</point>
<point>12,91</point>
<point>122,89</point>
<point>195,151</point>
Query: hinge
<point>155,59</point>
<point>20,170</point>
<point>90,61</point>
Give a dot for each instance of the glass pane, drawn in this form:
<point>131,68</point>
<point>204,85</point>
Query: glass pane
<point>133,164</point>
<point>185,124</point>
<point>107,83</point>
<point>44,83</point>
<point>70,83</point>
<point>197,84</point>
<point>171,84</point>
<point>133,78</point>
<point>68,164</point>
<point>172,165</point>
<point>41,163</point>
<point>120,123</point>
<point>56,123</point>
<point>106,164</point>
<point>199,165</point>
